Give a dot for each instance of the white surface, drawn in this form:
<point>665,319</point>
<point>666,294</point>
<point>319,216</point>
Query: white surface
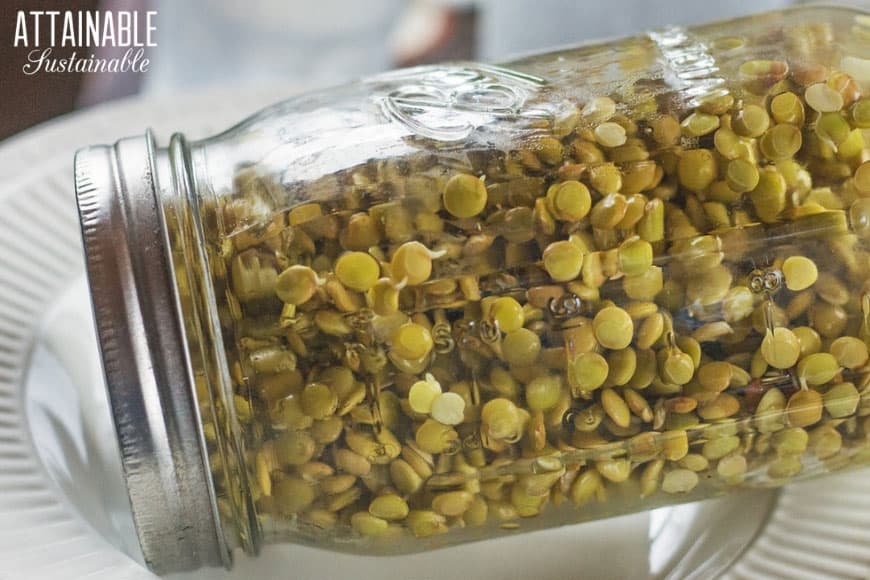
<point>815,534</point>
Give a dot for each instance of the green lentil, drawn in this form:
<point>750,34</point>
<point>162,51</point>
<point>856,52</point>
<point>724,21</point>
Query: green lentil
<point>411,264</point>
<point>389,507</point>
<point>501,418</point>
<point>404,477</point>
<point>368,525</point>
<point>587,371</point>
<point>841,400</point>
<point>650,330</point>
<point>732,468</point>
<point>635,256</point>
<point>563,260</point>
<point>360,233</point>
<point>741,175</point>
<point>609,211</point>
<point>781,142</point>
<point>666,129</point>
<point>728,144</point>
<point>434,437</point>
<point>850,352</point>
<point>296,284</point>
<point>464,196</point>
<point>644,286</point>
<point>804,408</point>
<point>861,113</point>
<point>833,128</point>
<point>823,98</point>
<point>543,393</point>
<point>785,467</point>
<point>790,441</point>
<point>723,406</point>
<point>809,340</point>
<point>675,445</point>
<point>613,328</point>
<point>787,108</point>
<point>818,368</point>
<point>412,341</point>
<point>679,481</point>
<point>615,407</point>
<point>697,169</point>
<point>448,409</point>
<point>694,462</point>
<point>425,523</point>
<point>318,401</point>
<point>715,376</point>
<point>676,366</point>
<point>750,121</point>
<point>569,200</point>
<point>610,135</point>
<point>622,365</point>
<point>292,495</point>
<point>780,348</point>
<point>521,347</point>
<point>720,447</point>
<point>826,441</point>
<point>357,270</point>
<point>699,124</point>
<point>452,503</point>
<point>800,273</point>
<point>294,448</point>
<point>383,297</point>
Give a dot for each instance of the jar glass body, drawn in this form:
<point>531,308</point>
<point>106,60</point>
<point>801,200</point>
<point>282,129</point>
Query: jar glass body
<point>455,302</point>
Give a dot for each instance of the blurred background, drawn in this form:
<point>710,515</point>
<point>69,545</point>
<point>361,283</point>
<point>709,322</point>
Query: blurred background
<point>205,43</point>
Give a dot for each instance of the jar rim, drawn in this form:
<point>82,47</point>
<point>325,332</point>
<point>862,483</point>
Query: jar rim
<point>143,348</point>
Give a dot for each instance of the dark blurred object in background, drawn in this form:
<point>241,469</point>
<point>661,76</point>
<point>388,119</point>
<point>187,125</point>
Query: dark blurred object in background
<point>28,100</point>
<point>434,31</point>
<point>31,99</point>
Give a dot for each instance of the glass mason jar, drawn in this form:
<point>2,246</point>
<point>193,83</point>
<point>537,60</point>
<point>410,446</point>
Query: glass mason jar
<point>454,302</point>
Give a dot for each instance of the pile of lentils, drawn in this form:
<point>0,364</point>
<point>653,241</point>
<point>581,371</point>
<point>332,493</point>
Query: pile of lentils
<point>617,310</point>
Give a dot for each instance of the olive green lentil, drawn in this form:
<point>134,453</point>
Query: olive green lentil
<point>587,371</point>
<point>817,369</point>
<point>780,348</point>
<point>781,142</point>
<point>804,408</point>
<point>296,284</point>
<point>697,169</point>
<point>521,347</point>
<point>751,121</point>
<point>465,196</point>
<point>841,400</point>
<point>357,270</point>
<point>411,264</point>
<point>613,328</point>
<point>787,108</point>
<point>569,200</point>
<point>741,175</point>
<point>850,352</point>
<point>563,260</point>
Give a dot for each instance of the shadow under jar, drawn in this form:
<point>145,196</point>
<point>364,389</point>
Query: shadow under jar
<point>443,304</point>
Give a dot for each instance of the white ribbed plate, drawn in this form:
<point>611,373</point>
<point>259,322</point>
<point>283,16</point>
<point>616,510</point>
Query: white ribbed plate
<point>53,522</point>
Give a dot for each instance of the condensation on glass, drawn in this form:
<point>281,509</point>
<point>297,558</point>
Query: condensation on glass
<point>451,303</point>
